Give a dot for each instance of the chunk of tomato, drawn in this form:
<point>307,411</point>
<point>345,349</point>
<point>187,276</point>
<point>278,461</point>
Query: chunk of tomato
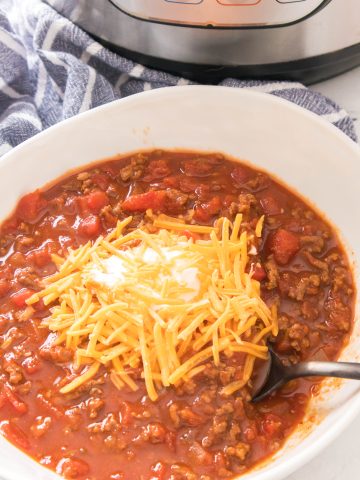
<point>14,400</point>
<point>270,205</point>
<point>205,211</point>
<point>19,298</point>
<point>30,206</point>
<point>171,182</point>
<point>101,180</point>
<point>284,245</point>
<point>258,272</point>
<point>157,169</point>
<point>81,203</point>
<point>4,287</point>
<point>90,226</point>
<point>14,434</point>
<point>42,256</point>
<point>240,175</point>
<point>154,199</point>
<point>97,200</point>
<point>32,364</point>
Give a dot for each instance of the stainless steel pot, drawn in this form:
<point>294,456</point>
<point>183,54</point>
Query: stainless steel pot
<point>305,40</point>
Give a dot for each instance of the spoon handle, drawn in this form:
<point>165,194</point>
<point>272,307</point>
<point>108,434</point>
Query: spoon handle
<point>324,369</point>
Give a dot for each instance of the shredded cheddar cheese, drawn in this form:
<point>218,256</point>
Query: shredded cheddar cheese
<point>159,302</point>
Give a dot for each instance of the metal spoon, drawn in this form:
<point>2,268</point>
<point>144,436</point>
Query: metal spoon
<point>275,374</point>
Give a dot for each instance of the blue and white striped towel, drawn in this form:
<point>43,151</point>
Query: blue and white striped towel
<point>51,70</point>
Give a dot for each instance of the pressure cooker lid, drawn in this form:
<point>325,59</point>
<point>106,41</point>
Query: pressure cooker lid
<point>221,13</point>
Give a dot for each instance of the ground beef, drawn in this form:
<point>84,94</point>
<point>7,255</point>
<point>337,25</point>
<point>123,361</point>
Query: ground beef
<point>41,426</point>
<point>240,451</point>
<point>56,353</point>
<point>93,406</point>
<point>245,202</point>
<point>154,432</point>
<point>133,170</point>
<point>28,278</point>
<point>109,424</point>
<point>14,371</point>
<point>271,272</point>
<point>296,286</point>
<point>312,243</point>
<point>298,335</point>
<point>320,265</point>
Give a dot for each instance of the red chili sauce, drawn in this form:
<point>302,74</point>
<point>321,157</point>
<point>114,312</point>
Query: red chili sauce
<point>191,432</point>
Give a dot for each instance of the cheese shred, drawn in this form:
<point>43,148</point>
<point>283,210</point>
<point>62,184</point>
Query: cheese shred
<point>153,305</point>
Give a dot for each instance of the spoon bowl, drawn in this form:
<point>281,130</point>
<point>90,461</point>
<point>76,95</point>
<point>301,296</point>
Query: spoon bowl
<point>275,374</point>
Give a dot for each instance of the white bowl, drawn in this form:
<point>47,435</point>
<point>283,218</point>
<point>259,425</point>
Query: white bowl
<point>310,155</point>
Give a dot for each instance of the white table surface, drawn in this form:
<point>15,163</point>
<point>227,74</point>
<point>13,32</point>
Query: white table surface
<point>345,90</point>
<point>341,460</point>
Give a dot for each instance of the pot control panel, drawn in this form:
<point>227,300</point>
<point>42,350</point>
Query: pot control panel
<point>220,13</point>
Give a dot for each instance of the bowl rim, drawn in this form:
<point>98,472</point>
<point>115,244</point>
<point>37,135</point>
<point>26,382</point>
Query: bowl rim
<point>303,455</point>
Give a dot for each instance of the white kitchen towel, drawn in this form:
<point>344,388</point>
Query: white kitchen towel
<point>50,70</point>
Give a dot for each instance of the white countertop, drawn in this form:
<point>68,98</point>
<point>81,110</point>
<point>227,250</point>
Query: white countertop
<point>341,460</point>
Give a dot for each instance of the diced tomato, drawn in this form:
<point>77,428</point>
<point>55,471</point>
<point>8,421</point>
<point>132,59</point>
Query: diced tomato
<point>32,364</point>
<point>198,167</point>
<point>97,200</point>
<point>14,400</point>
<point>157,169</point>
<point>214,205</point>
<point>158,470</point>
<point>195,236</point>
<point>30,206</point>
<point>228,200</point>
<point>240,175</point>
<point>202,192</point>
<point>42,255</point>
<point>270,205</point>
<point>72,467</point>
<point>201,214</point>
<point>82,204</point>
<point>19,298</point>
<point>17,259</point>
<point>188,185</point>
<point>14,434</point>
<point>271,424</point>
<point>171,182</point>
<point>93,202</point>
<point>9,225</point>
<point>154,199</point>
<point>259,272</point>
<point>205,211</point>
<point>284,245</point>
<point>101,180</point>
<point>4,287</point>
<point>90,226</point>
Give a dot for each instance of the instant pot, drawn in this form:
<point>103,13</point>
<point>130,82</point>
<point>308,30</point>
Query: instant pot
<point>206,40</point>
